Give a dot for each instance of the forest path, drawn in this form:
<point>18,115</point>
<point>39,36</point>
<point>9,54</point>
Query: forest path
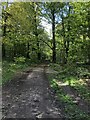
<point>29,96</point>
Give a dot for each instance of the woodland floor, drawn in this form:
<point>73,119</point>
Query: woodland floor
<point>29,95</point>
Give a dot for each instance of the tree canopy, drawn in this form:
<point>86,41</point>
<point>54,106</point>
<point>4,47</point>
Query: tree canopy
<point>24,35</point>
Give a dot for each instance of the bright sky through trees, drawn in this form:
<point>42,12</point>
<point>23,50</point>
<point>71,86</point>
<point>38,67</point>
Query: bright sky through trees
<point>47,26</point>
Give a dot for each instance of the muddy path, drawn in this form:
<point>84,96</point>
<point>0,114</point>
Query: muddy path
<point>29,96</point>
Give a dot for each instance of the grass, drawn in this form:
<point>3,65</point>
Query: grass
<point>74,77</point>
<point>9,69</point>
<point>70,108</point>
<point>81,87</point>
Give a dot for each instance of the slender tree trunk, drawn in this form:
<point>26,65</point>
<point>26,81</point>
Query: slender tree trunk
<point>36,34</point>
<point>63,28</point>
<point>53,36</point>
<point>4,34</point>
<point>14,50</point>
<point>3,50</point>
<point>28,50</point>
<point>38,46</point>
<point>67,50</point>
<point>89,36</point>
<point>68,40</point>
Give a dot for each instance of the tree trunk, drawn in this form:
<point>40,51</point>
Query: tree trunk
<point>28,50</point>
<point>63,28</point>
<point>36,34</point>
<point>4,32</point>
<point>53,36</point>
<point>3,51</point>
<point>14,50</point>
<point>67,50</point>
<point>38,53</point>
<point>89,36</point>
<point>68,40</point>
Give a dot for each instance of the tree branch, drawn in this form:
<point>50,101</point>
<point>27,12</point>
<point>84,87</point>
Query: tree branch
<point>47,44</point>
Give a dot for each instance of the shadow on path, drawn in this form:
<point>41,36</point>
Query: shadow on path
<point>29,96</point>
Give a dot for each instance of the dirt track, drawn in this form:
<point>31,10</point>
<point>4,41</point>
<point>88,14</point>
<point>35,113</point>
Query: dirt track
<point>29,96</point>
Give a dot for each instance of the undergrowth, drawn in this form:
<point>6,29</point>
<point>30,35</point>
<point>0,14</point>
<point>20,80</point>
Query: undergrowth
<point>9,69</point>
<point>74,76</point>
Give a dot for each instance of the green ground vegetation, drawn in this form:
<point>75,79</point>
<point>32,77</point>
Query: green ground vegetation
<point>76,78</point>
<point>10,68</point>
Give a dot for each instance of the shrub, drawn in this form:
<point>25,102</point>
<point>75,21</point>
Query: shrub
<point>20,59</point>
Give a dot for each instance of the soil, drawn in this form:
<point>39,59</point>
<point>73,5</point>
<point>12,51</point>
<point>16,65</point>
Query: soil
<point>28,95</point>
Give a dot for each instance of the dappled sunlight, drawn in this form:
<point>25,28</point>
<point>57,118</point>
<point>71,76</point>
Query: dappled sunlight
<point>62,84</point>
<point>0,70</point>
<point>46,59</point>
<point>49,70</point>
<point>87,80</point>
<point>38,69</point>
<point>82,82</point>
<point>70,90</point>
<point>40,115</point>
<point>30,76</point>
<point>59,83</point>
